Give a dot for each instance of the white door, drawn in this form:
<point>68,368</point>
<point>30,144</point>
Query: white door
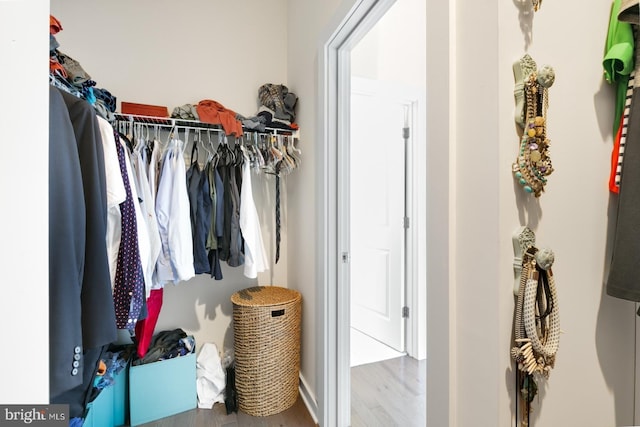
<point>377,209</point>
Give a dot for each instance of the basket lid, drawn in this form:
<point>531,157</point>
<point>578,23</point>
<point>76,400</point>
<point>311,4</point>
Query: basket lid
<point>259,296</point>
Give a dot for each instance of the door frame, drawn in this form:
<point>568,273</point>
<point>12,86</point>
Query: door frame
<point>352,21</point>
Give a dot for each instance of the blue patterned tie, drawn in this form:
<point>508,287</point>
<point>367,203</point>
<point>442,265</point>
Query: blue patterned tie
<point>129,284</point>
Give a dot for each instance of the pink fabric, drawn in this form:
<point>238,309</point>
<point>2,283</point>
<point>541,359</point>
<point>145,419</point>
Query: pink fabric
<point>145,327</point>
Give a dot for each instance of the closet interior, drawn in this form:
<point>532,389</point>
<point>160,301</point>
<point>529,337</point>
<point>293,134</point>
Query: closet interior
<point>141,201</point>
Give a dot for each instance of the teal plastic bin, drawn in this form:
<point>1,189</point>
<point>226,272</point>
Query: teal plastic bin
<point>161,389</point>
<point>110,407</point>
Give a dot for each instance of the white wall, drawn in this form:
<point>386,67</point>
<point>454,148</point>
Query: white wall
<point>307,23</point>
<point>592,383</point>
<point>173,53</point>
<point>24,118</point>
<point>576,215</point>
<point>387,54</point>
<point>477,360</point>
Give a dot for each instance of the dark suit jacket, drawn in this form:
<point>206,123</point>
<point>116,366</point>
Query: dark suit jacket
<point>98,314</point>
<point>66,249</point>
<point>82,315</point>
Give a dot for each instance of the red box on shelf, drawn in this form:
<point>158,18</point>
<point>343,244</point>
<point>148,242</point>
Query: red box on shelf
<point>144,109</point>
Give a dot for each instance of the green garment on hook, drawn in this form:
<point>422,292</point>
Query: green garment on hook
<point>618,59</point>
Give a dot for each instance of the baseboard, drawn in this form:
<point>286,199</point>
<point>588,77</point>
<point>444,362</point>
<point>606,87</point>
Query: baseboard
<point>309,399</point>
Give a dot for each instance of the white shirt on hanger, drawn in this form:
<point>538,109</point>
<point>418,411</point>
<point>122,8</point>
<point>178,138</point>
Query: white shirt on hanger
<point>148,210</point>
<point>175,262</point>
<point>255,259</point>
<point>116,194</point>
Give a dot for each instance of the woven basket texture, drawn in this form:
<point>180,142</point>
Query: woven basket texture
<point>266,321</point>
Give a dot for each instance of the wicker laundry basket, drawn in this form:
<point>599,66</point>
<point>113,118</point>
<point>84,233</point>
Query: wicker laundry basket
<point>266,321</point>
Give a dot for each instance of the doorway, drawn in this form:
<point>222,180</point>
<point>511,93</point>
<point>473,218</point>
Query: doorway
<point>431,195</point>
<point>387,246</point>
<point>386,125</point>
<point>377,231</point>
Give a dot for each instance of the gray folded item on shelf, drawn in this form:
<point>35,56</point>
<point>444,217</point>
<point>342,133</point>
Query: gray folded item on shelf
<point>280,100</point>
<point>185,112</point>
<point>257,123</point>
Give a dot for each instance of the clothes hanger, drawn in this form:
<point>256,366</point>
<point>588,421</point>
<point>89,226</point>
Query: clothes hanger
<point>230,153</point>
<point>282,158</point>
<point>292,149</point>
<point>204,147</point>
<point>289,162</point>
<point>252,152</point>
<point>273,155</point>
<point>277,155</point>
<point>215,154</point>
<point>170,135</point>
<point>142,148</point>
<point>238,154</point>
<point>258,153</point>
<point>269,158</point>
<point>245,148</point>
<point>183,143</point>
<point>223,151</point>
<point>212,152</point>
<point>288,146</point>
<point>194,149</point>
<point>124,134</point>
<point>140,140</point>
<point>244,151</point>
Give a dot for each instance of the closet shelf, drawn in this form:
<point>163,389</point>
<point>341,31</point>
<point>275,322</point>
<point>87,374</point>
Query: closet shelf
<point>193,124</point>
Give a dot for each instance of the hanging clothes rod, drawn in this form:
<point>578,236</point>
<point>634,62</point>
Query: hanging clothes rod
<point>191,124</point>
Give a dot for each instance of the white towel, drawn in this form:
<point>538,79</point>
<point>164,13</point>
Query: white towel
<point>210,377</point>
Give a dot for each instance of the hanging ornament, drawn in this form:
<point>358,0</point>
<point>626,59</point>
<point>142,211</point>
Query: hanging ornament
<point>533,164</point>
<point>536,320</point>
<point>536,4</point>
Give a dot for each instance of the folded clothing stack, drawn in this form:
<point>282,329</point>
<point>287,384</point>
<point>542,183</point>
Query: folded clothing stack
<point>277,106</point>
<point>67,74</point>
<point>167,345</point>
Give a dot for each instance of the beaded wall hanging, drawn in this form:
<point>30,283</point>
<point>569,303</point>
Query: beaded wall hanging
<point>536,4</point>
<point>536,320</point>
<point>533,164</point>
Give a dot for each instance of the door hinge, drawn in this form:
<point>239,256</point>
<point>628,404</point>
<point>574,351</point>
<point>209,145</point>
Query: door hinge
<point>405,222</point>
<point>345,257</point>
<point>405,312</point>
<point>405,133</point>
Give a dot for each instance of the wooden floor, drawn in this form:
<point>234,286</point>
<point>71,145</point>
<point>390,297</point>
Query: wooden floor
<point>388,393</point>
<point>296,416</point>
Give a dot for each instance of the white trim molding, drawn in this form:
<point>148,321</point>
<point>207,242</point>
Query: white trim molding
<point>440,214</point>
<point>308,398</point>
<point>348,27</point>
